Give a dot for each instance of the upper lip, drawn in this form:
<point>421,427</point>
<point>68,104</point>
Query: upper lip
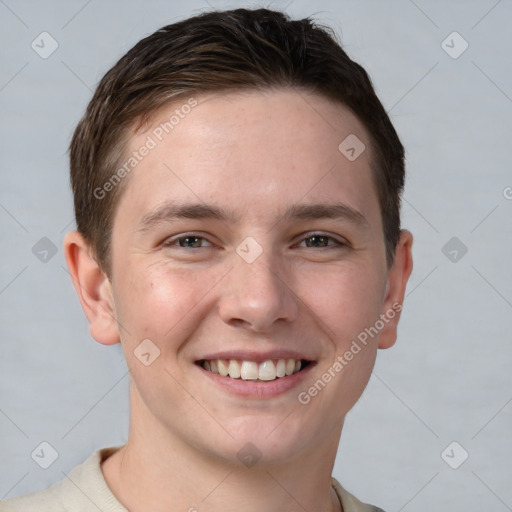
<point>254,355</point>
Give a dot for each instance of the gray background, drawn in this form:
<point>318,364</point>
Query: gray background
<point>448,377</point>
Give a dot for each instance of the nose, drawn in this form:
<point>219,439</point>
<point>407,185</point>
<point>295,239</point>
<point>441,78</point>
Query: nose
<point>258,295</point>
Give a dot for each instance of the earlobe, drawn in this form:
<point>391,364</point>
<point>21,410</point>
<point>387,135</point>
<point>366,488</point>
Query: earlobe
<point>398,276</point>
<point>93,288</point>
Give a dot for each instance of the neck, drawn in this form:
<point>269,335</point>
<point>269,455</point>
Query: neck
<point>155,470</point>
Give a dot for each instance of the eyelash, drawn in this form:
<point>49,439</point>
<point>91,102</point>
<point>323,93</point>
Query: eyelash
<point>337,243</point>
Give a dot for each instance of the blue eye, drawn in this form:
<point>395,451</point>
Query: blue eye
<point>314,240</point>
<point>319,240</point>
<point>188,241</point>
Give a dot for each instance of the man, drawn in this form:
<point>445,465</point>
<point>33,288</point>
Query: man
<point>237,193</point>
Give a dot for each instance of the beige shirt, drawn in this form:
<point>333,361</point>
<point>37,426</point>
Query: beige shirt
<point>85,490</point>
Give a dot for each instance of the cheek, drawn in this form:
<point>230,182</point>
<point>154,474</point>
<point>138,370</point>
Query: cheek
<point>347,300</point>
<point>156,303</point>
<point>160,302</point>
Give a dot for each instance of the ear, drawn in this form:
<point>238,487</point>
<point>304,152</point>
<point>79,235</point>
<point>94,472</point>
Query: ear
<point>398,275</point>
<point>93,288</point>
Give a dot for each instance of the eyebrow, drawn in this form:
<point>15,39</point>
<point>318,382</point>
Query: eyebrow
<point>171,211</point>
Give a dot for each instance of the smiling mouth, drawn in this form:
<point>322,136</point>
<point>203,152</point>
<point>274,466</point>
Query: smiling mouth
<point>250,370</point>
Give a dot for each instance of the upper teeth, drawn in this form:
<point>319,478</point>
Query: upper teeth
<point>250,370</point>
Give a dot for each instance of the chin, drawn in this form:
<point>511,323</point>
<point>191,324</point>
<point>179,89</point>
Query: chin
<point>271,442</point>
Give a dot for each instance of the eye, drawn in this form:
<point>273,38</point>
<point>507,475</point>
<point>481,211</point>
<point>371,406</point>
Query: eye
<point>322,241</point>
<point>194,241</point>
<point>191,241</point>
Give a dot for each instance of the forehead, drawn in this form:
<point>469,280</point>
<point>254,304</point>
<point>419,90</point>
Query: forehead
<point>253,150</point>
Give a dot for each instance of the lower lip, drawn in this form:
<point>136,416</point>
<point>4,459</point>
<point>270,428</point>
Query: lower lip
<point>258,389</point>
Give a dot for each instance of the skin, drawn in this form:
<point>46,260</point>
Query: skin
<point>256,153</point>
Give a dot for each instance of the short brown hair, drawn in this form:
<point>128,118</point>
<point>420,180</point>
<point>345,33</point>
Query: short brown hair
<point>219,51</point>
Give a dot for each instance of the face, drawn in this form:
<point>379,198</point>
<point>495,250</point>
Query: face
<point>245,235</point>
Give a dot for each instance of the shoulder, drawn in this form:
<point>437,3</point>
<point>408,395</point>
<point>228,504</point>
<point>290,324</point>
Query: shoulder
<point>349,502</point>
<point>83,489</point>
<point>41,501</point>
